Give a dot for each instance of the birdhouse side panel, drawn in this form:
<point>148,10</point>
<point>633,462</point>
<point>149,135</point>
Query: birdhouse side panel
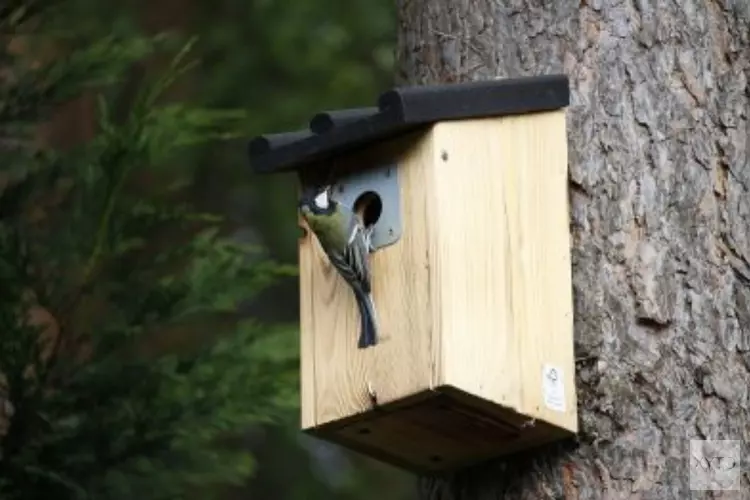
<point>338,378</point>
<point>536,187</point>
<point>477,335</point>
<point>505,295</point>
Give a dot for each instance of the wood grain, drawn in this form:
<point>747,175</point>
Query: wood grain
<point>501,260</point>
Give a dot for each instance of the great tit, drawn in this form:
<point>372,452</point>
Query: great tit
<point>346,242</point>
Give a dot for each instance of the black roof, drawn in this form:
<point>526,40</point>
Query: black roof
<point>403,109</point>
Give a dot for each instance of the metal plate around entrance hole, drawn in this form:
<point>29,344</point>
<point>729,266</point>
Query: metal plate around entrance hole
<point>383,181</point>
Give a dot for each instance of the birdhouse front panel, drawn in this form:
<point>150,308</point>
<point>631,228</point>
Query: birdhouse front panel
<point>339,379</point>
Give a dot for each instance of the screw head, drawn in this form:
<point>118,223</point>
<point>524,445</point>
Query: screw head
<point>444,155</point>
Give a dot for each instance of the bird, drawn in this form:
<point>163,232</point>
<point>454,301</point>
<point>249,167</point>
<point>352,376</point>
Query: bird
<point>347,243</point>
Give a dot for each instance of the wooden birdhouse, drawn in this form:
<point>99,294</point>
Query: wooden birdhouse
<point>466,185</point>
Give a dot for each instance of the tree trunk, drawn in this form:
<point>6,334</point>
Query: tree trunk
<point>660,221</point>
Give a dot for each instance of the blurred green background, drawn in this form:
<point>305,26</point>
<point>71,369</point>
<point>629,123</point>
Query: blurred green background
<point>280,62</point>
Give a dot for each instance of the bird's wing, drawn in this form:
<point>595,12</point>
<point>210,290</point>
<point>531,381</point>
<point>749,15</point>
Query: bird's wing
<point>353,262</point>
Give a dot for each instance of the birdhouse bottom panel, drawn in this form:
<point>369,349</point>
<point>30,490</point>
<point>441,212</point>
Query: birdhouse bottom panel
<point>438,430</point>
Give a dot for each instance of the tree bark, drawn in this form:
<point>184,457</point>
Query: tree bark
<point>660,222</point>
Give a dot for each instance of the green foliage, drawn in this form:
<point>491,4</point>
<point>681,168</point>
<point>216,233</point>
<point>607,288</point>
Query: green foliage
<point>96,414</point>
<point>285,61</point>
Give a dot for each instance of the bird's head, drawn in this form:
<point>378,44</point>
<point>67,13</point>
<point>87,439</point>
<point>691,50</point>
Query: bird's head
<point>317,200</point>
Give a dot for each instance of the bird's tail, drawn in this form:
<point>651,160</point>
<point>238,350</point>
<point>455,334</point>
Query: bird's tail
<point>369,332</point>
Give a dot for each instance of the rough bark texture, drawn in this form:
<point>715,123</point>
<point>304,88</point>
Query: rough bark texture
<point>660,222</point>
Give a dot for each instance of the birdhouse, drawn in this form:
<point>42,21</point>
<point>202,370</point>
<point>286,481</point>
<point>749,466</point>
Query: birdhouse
<point>465,189</point>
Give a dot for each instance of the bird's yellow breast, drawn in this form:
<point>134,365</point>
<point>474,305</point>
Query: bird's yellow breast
<point>328,228</point>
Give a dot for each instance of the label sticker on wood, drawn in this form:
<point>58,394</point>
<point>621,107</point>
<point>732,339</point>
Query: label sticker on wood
<point>553,388</point>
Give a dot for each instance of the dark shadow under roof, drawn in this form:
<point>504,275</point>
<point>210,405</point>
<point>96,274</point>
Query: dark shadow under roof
<point>400,110</point>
